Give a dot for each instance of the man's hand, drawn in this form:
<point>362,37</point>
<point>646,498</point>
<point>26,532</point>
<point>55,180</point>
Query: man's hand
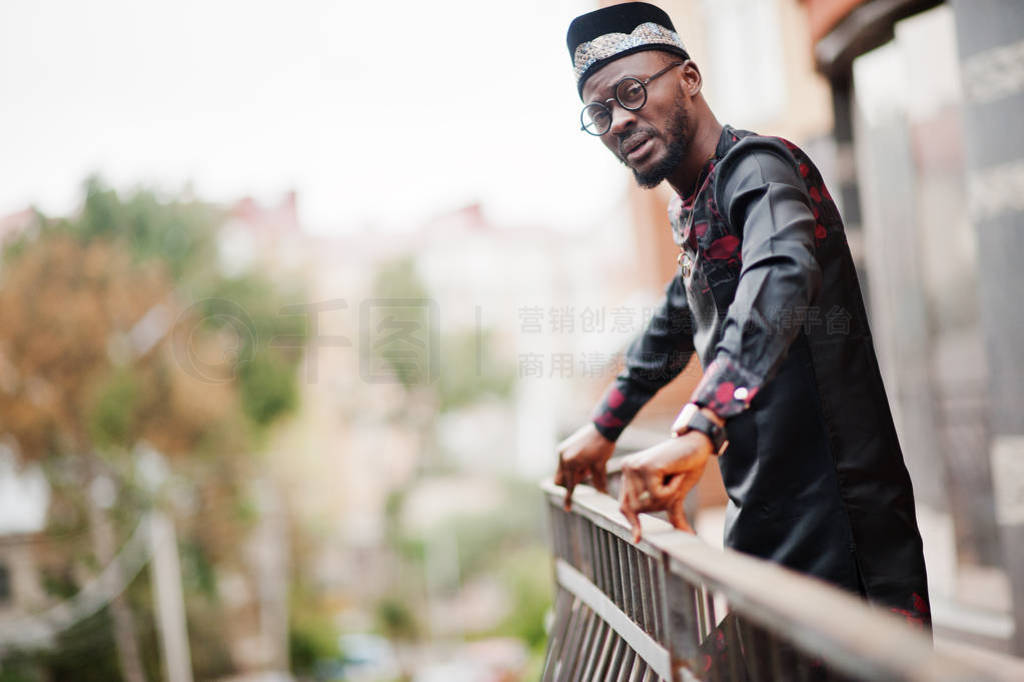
<point>583,455</point>
<point>660,477</point>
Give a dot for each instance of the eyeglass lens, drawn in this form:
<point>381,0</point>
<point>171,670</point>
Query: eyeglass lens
<point>631,95</point>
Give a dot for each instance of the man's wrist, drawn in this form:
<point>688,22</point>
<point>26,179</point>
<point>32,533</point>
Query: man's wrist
<point>713,416</point>
<point>694,417</point>
<point>609,433</point>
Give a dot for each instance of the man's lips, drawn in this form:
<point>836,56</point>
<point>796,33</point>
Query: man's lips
<point>635,146</point>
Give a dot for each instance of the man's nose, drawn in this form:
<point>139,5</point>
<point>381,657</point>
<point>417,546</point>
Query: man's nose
<point>622,119</point>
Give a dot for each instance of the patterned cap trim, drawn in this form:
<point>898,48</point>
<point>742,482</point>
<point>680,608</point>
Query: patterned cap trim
<point>610,44</point>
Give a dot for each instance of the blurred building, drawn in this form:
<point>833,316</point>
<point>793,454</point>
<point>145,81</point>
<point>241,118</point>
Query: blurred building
<point>24,496</point>
<point>912,110</point>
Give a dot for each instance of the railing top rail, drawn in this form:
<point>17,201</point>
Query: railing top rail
<point>814,616</point>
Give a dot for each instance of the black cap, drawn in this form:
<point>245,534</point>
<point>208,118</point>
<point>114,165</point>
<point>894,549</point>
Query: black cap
<point>598,37</point>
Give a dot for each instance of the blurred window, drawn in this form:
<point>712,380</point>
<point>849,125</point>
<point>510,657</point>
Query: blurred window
<point>5,585</point>
<point>746,74</point>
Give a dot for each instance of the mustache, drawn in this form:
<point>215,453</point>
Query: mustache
<point>630,138</point>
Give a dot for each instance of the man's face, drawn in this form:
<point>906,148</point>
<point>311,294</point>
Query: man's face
<point>653,141</point>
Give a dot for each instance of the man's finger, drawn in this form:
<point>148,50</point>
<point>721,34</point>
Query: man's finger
<point>675,485</point>
<point>634,520</point>
<point>628,502</point>
<point>599,474</point>
<point>569,481</point>
<point>677,515</point>
<point>676,512</point>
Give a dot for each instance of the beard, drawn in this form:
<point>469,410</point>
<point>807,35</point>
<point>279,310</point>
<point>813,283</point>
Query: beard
<point>677,129</point>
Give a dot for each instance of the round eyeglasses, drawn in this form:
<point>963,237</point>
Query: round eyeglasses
<point>630,93</point>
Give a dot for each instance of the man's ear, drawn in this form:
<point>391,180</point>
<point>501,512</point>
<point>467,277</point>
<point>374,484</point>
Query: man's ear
<point>690,79</point>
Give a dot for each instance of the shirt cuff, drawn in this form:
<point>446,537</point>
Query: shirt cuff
<point>617,409</point>
<point>726,388</point>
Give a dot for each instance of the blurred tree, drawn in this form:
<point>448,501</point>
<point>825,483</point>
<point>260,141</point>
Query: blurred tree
<point>67,313</point>
<point>407,305</point>
<point>466,378</point>
<point>396,620</point>
<point>117,330</point>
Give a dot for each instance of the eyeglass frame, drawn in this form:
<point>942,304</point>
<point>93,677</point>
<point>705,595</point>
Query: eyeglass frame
<point>615,97</point>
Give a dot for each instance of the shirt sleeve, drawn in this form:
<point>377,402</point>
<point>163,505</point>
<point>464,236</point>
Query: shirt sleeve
<point>652,360</point>
<point>765,199</point>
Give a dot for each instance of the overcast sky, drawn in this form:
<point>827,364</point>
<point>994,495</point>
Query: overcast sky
<point>374,112</point>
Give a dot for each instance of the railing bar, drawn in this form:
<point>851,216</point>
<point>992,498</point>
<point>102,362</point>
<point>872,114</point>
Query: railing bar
<point>581,529</point>
<point>694,606</point>
<point>635,596</point>
<point>663,599</point>
<point>587,644</point>
<point>593,556</point>
<point>627,602</point>
<point>709,595</point>
<point>631,583</point>
<point>598,652</point>
<point>612,562</point>
<point>567,535</point>
<point>559,631</point>
<point>570,629</point>
<point>634,666</point>
<point>591,620</point>
<point>618,526</point>
<point>619,655</point>
<point>664,608</point>
<point>646,592</point>
<point>563,532</point>
<point>646,647</point>
<point>551,655</point>
<point>643,566</point>
<point>627,665</point>
<point>602,547</point>
<point>650,566</point>
<point>614,579</point>
<point>639,598</point>
<point>593,646</point>
<point>577,543</point>
<point>570,522</point>
<point>656,599</point>
<point>805,619</point>
<point>604,663</point>
<point>650,606</point>
<point>563,611</point>
<point>702,632</point>
<point>593,650</point>
<point>580,613</point>
<point>613,566</point>
<point>639,668</point>
<point>600,565</point>
<point>556,541</point>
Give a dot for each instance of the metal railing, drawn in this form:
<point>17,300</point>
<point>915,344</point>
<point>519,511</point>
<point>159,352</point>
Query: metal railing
<point>675,608</point>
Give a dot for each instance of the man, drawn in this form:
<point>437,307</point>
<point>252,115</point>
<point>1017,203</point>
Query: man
<point>791,399</point>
